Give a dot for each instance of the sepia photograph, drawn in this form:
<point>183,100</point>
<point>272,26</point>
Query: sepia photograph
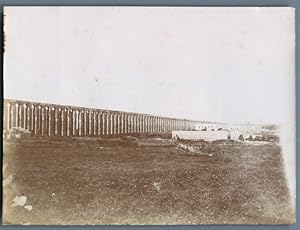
<point>119,115</point>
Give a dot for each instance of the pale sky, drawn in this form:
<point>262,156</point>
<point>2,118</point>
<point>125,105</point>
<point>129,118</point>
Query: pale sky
<point>214,64</point>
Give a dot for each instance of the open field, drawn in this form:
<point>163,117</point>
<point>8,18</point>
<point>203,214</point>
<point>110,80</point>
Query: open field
<point>144,180</point>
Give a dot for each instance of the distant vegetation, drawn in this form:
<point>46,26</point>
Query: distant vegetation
<point>270,127</point>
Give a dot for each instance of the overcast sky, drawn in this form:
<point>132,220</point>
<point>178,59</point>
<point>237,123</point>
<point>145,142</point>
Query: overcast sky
<point>217,64</point>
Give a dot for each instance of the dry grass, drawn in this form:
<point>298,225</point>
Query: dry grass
<point>144,180</point>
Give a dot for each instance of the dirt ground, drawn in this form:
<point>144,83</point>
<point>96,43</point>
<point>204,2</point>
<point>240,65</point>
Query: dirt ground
<point>144,180</point>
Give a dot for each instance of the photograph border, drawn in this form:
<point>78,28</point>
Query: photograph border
<point>212,3</point>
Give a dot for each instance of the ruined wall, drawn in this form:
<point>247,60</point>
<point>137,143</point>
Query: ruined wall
<point>208,135</point>
<point>60,120</point>
<point>201,135</point>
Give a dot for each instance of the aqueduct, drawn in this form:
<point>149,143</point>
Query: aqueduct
<point>60,120</point>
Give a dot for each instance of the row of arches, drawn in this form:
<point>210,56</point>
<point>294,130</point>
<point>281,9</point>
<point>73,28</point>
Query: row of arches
<point>55,120</point>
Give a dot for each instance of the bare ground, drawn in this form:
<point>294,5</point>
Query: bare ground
<point>145,180</point>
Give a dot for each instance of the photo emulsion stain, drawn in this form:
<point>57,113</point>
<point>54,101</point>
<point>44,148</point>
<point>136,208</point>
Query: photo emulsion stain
<point>148,116</point>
